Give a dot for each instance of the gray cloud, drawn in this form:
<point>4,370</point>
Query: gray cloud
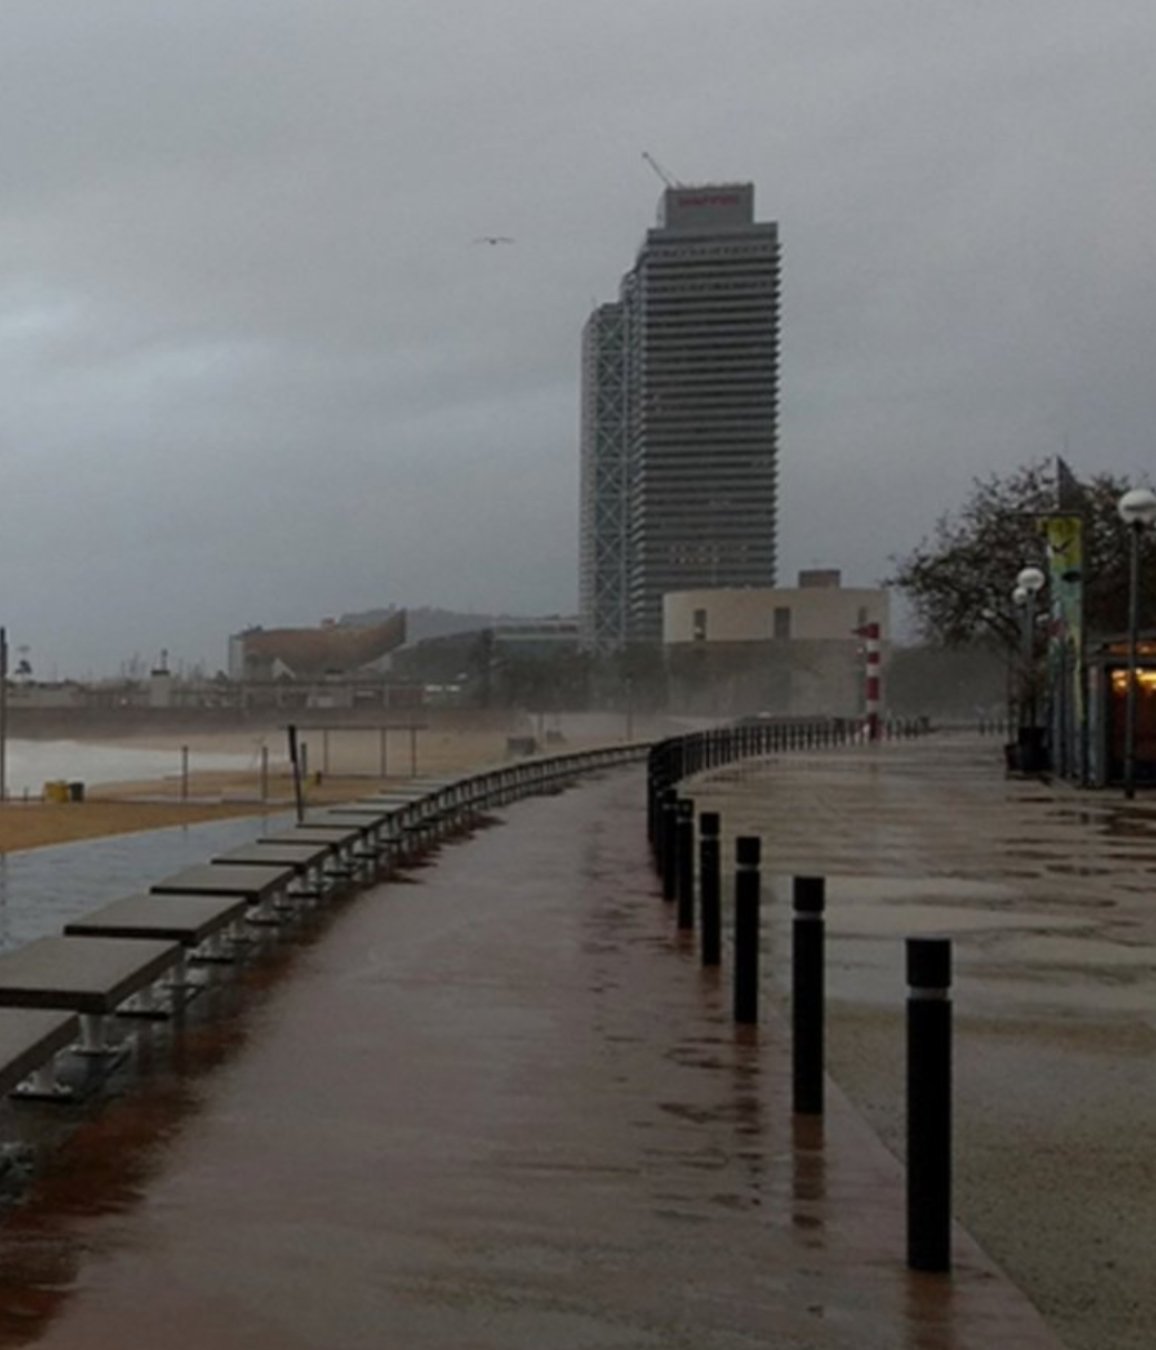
<point>254,370</point>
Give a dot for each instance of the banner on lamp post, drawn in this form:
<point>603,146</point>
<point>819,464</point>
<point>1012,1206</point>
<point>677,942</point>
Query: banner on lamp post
<point>1065,547</point>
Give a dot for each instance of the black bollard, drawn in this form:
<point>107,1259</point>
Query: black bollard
<point>669,843</point>
<point>929,1104</point>
<point>807,978</point>
<point>710,887</point>
<point>747,889</point>
<point>684,831</point>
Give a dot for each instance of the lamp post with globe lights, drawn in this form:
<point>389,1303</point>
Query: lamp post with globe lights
<point>1137,509</point>
<point>1029,583</point>
<point>1016,697</point>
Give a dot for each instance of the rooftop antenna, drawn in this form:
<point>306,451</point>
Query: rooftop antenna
<point>667,178</point>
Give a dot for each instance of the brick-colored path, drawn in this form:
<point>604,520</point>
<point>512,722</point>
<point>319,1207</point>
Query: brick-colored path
<point>498,1108</point>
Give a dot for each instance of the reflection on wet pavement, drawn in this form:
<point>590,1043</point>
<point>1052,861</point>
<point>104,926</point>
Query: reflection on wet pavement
<point>502,1109</point>
<point>42,889</point>
<point>1048,894</point>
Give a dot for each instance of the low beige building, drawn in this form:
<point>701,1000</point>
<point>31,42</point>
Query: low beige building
<point>793,651</point>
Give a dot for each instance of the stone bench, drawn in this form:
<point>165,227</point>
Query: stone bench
<point>30,1039</point>
<point>342,840</point>
<point>197,922</point>
<point>261,887</point>
<point>306,860</point>
<point>354,833</point>
<point>374,825</point>
<point>389,817</point>
<point>92,976</point>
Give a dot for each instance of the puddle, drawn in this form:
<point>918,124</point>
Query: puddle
<point>42,889</point>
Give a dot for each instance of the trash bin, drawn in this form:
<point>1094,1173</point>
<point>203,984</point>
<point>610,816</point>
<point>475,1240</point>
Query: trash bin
<point>76,792</point>
<point>56,790</point>
<point>1032,744</point>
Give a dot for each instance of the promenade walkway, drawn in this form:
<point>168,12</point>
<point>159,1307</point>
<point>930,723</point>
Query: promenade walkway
<point>493,1107</point>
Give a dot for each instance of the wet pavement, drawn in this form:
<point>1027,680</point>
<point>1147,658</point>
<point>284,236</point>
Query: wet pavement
<point>494,1105</point>
<point>1047,892</point>
<point>42,889</point>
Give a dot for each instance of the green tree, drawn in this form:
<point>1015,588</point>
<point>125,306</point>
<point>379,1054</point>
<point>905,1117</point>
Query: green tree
<point>959,581</point>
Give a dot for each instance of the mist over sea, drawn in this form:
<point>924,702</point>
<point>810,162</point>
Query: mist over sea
<point>31,764</point>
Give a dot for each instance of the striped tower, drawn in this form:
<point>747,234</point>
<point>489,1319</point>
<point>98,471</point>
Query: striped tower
<point>873,700</point>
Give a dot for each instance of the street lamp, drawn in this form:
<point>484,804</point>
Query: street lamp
<point>1137,509</point>
<point>1015,709</point>
<point>1029,583</point>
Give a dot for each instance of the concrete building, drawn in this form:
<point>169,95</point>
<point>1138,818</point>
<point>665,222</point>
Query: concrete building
<point>680,416</point>
<point>331,651</point>
<point>604,526</point>
<point>793,651</point>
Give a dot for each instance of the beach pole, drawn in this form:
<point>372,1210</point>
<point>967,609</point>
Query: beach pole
<point>293,760</point>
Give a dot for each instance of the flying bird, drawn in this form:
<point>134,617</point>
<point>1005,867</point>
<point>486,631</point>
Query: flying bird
<point>493,239</point>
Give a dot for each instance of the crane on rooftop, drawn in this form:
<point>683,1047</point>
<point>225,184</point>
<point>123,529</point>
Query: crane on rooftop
<point>667,178</point>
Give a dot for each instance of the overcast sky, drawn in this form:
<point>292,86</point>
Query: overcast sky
<point>254,369</point>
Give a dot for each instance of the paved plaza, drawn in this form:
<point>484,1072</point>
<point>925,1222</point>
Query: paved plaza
<point>498,1105</point>
<point>1048,894</point>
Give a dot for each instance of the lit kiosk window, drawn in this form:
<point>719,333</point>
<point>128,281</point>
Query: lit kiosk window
<point>1137,509</point>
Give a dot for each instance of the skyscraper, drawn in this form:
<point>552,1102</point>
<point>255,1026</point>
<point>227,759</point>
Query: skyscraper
<point>680,416</point>
<point>604,583</point>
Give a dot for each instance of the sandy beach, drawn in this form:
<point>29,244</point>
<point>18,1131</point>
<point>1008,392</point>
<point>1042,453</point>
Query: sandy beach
<point>341,764</point>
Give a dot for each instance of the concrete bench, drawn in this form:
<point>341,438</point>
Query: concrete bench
<point>393,799</point>
<point>397,811</point>
<point>30,1039</point>
<point>343,841</point>
<point>92,976</point>
<point>255,883</point>
<point>340,818</point>
<point>371,821</point>
<point>262,887</point>
<point>195,921</point>
<point>383,810</point>
<point>307,861</point>
<point>423,818</point>
<point>370,825</point>
<point>347,834</point>
<point>389,817</point>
